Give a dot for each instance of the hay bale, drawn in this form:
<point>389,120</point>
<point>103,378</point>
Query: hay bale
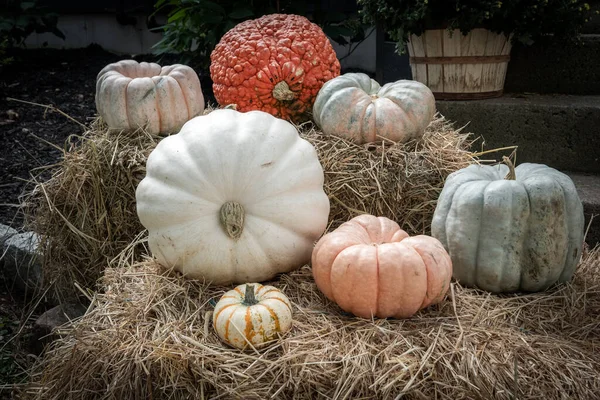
<point>150,336</point>
<point>86,211</point>
<point>400,181</point>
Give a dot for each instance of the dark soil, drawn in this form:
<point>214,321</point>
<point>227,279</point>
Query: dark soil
<point>31,137</point>
<point>64,79</point>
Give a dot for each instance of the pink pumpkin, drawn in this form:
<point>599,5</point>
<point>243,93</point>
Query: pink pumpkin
<point>371,267</point>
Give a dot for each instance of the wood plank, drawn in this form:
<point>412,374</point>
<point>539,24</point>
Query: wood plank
<point>501,75</point>
<point>477,42</point>
<point>489,73</point>
<point>453,73</point>
<point>418,49</point>
<point>433,48</point>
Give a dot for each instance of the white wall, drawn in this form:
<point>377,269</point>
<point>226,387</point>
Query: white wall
<point>104,30</point>
<point>362,57</point>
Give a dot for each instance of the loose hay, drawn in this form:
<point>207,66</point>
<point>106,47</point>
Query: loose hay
<point>394,180</point>
<point>150,336</point>
<point>86,211</point>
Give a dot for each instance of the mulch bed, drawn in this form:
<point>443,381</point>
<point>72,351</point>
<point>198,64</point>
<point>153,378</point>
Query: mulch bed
<point>32,136</point>
<point>64,79</point>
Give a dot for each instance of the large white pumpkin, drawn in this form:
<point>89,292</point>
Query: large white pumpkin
<point>357,108</point>
<point>131,94</point>
<point>506,235</point>
<point>233,197</point>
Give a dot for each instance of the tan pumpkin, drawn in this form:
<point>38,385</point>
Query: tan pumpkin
<point>131,94</point>
<point>353,106</point>
<point>371,267</point>
<point>252,315</point>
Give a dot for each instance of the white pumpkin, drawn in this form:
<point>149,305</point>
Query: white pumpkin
<point>130,95</point>
<point>252,314</point>
<point>355,107</point>
<point>508,234</point>
<point>234,197</point>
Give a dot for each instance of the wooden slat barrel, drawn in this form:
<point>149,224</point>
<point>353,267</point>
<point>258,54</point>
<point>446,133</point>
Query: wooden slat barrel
<point>460,67</point>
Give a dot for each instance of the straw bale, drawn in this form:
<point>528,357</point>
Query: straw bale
<point>149,335</point>
<point>86,211</point>
<point>400,181</point>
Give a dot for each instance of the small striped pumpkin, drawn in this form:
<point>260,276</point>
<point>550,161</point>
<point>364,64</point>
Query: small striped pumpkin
<point>252,315</point>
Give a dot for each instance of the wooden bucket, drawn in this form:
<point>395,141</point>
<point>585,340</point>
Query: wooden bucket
<point>459,67</point>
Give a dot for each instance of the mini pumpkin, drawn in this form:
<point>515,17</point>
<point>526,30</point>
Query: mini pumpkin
<point>510,229</point>
<point>276,63</point>
<point>130,95</point>
<point>252,315</point>
<point>355,107</point>
<point>233,197</point>
<point>371,267</point>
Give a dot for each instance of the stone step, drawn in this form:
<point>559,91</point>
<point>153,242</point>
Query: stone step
<point>555,67</point>
<point>561,131</point>
<point>588,188</point>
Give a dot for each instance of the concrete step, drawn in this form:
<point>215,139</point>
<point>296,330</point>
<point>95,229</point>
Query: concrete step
<point>560,131</point>
<point>549,66</point>
<point>588,188</point>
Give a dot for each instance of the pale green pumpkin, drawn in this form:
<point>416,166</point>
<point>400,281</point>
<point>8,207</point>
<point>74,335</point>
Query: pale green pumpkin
<point>521,232</point>
<point>355,107</point>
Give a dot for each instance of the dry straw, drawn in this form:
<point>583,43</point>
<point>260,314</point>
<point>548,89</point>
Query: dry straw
<point>86,210</point>
<point>401,181</point>
<point>149,335</point>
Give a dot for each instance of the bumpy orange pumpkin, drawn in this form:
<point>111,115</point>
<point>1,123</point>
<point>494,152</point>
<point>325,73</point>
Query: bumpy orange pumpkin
<point>276,63</point>
<point>371,267</point>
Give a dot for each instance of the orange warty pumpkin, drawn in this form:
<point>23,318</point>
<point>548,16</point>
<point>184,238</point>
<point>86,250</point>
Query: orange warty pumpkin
<point>371,267</point>
<point>276,63</point>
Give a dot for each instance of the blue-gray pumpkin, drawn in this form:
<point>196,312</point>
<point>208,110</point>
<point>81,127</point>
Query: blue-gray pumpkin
<point>510,229</point>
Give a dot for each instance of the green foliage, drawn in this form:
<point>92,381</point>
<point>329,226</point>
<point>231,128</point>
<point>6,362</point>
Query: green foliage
<point>19,19</point>
<point>194,27</point>
<point>526,20</point>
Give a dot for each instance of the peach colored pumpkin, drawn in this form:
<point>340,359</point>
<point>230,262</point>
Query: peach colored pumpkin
<point>131,94</point>
<point>371,267</point>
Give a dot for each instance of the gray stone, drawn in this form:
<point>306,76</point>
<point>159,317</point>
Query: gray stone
<point>560,131</point>
<point>44,326</point>
<point>22,262</point>
<point>588,188</point>
<point>6,232</point>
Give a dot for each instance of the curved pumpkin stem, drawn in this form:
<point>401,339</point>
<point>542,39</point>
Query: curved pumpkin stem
<point>232,219</point>
<point>249,297</point>
<point>282,92</point>
<point>511,176</point>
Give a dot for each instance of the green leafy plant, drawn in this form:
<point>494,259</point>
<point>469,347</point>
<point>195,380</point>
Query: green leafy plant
<point>525,20</point>
<point>194,27</point>
<point>19,19</point>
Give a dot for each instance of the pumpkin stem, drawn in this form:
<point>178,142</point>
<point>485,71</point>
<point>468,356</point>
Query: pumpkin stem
<point>282,92</point>
<point>249,297</point>
<point>232,219</point>
<point>511,176</point>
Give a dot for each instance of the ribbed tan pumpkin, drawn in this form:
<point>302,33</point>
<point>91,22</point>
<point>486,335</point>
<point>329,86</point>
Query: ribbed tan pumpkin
<point>355,107</point>
<point>252,315</point>
<point>131,94</point>
<point>371,267</point>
